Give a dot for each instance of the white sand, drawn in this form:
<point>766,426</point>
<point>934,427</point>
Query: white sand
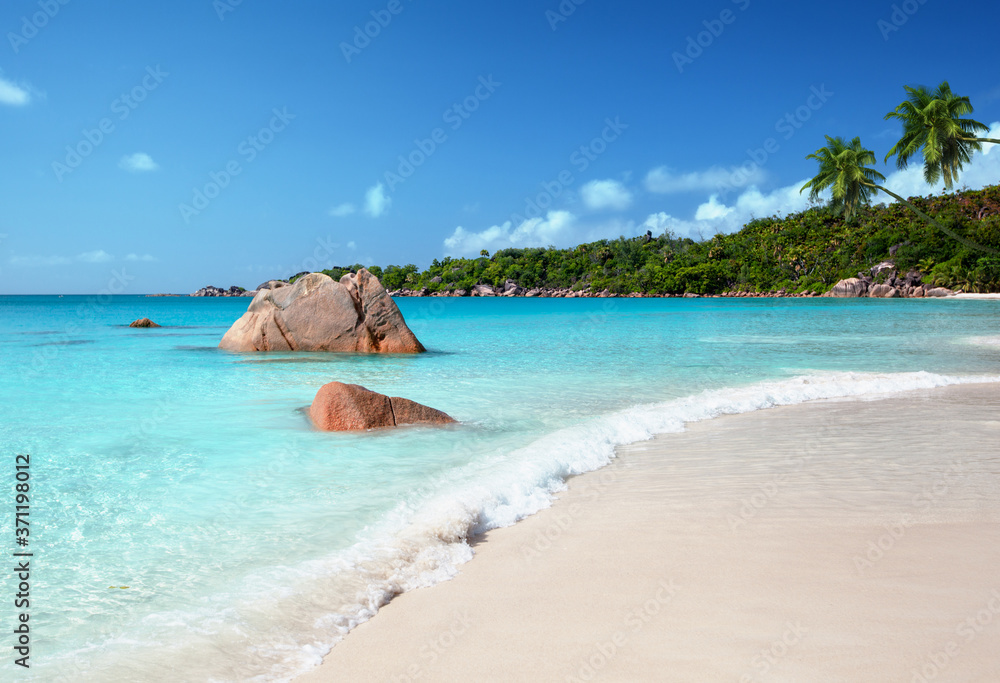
<point>833,541</point>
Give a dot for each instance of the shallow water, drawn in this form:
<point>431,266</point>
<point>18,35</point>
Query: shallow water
<point>249,542</point>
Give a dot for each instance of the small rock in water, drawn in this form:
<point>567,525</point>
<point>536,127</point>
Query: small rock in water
<point>340,407</point>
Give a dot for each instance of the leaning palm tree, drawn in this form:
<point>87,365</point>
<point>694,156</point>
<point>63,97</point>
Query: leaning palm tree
<point>933,125</point>
<point>844,170</point>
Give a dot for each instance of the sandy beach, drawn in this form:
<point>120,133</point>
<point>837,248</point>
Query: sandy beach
<point>829,541</point>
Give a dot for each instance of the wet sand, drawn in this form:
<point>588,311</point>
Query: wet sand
<point>829,541</point>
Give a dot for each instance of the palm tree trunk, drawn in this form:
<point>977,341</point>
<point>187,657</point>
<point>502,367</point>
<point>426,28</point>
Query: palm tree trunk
<point>995,142</point>
<point>948,231</point>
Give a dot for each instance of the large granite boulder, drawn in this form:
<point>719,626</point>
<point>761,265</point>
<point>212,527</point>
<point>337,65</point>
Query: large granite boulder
<point>340,407</point>
<point>143,322</point>
<point>850,287</point>
<point>883,291</point>
<point>318,313</point>
<point>939,292</point>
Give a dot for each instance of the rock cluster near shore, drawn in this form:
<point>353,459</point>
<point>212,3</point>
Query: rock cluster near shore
<point>511,289</point>
<point>340,407</point>
<point>883,282</point>
<point>317,313</point>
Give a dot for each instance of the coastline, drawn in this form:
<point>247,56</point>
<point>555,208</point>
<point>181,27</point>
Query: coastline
<point>740,548</point>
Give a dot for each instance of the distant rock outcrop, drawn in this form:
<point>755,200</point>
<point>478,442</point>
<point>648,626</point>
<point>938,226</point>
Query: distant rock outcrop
<point>340,407</point>
<point>143,322</point>
<point>318,313</point>
<point>218,291</point>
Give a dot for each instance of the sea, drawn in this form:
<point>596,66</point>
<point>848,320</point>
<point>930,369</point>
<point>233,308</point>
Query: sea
<point>188,524</point>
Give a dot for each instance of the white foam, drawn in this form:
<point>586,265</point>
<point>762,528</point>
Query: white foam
<point>983,341</point>
<point>500,490</point>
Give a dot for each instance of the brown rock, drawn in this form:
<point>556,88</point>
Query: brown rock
<point>143,322</point>
<point>407,412</point>
<point>883,292</point>
<point>850,287</point>
<point>340,407</point>
<point>939,292</point>
<point>318,314</point>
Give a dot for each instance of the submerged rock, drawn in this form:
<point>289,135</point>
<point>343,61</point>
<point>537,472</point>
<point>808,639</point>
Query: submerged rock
<point>340,407</point>
<point>143,322</point>
<point>318,313</point>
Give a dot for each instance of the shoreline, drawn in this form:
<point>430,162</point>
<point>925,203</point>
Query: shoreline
<point>694,553</point>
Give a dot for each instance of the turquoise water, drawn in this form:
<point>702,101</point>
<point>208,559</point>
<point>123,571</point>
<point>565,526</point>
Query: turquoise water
<point>250,543</point>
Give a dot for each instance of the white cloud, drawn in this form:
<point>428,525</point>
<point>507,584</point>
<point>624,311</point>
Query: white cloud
<point>137,257</point>
<point>599,195</point>
<point>138,163</point>
<point>12,94</point>
<point>376,201</point>
<point>97,256</point>
<point>533,232</point>
<point>341,210</point>
<point>352,245</point>
<point>664,181</point>
<point>714,215</point>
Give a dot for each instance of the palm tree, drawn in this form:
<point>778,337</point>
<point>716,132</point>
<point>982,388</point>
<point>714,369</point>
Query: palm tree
<point>844,169</point>
<point>932,124</point>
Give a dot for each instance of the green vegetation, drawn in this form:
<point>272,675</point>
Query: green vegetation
<point>808,251</point>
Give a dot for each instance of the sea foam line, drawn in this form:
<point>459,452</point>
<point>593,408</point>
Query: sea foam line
<point>433,543</point>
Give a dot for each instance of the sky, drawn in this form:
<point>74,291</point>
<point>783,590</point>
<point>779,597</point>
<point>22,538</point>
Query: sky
<point>162,147</point>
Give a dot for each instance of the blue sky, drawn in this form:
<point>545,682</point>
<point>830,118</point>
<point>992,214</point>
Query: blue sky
<point>226,142</point>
